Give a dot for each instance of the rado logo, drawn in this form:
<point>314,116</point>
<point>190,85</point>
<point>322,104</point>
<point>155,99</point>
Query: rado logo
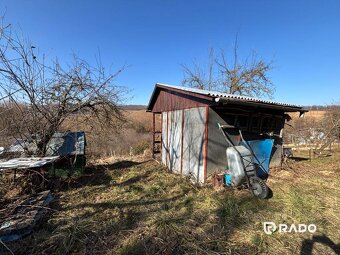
<point>270,227</point>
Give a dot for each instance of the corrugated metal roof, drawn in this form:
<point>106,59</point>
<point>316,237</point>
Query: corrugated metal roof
<point>217,94</point>
<point>26,162</point>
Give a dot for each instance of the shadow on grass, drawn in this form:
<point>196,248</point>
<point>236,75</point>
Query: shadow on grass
<point>174,221</point>
<point>307,244</point>
<point>122,164</point>
<point>299,158</point>
<point>172,232</point>
<point>133,180</point>
<point>122,204</point>
<point>175,231</point>
<point>96,175</point>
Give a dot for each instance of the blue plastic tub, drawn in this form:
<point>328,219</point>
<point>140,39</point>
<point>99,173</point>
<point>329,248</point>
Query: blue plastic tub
<point>262,150</point>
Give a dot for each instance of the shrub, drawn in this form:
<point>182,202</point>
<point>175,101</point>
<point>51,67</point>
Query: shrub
<point>140,147</point>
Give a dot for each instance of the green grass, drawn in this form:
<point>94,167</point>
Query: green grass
<point>133,208</point>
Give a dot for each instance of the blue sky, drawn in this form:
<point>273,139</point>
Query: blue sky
<point>153,38</point>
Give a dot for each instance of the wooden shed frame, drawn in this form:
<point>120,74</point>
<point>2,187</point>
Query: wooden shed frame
<point>196,112</point>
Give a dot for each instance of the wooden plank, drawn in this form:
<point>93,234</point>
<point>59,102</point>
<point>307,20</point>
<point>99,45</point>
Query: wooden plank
<point>182,138</point>
<point>153,135</point>
<point>169,101</point>
<point>205,157</point>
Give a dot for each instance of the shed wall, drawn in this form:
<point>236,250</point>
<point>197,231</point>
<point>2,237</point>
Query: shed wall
<point>174,140</point>
<point>217,145</point>
<point>193,143</point>
<point>164,137</point>
<point>191,160</point>
<point>216,160</point>
<point>276,156</point>
<point>171,100</point>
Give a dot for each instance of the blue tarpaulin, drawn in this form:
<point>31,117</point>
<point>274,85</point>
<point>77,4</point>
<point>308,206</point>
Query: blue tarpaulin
<point>66,144</point>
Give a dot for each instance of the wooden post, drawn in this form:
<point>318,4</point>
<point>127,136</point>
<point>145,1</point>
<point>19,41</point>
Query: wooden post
<point>153,135</point>
<point>182,139</point>
<point>282,157</point>
<point>205,150</point>
<point>167,140</point>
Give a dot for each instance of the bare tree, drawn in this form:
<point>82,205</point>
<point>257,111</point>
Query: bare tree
<point>198,77</point>
<point>45,94</point>
<point>248,77</point>
<point>331,121</point>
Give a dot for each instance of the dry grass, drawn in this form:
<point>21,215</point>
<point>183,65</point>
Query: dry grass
<point>313,114</point>
<point>130,207</point>
<point>123,138</point>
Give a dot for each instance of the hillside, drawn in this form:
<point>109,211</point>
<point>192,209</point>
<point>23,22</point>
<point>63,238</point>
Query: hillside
<point>134,135</point>
<point>313,114</point>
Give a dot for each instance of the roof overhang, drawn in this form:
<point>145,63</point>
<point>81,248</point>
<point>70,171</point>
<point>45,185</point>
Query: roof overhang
<point>172,89</point>
<point>284,108</point>
<point>219,98</point>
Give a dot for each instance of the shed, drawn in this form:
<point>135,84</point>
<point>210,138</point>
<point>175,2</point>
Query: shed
<point>190,142</point>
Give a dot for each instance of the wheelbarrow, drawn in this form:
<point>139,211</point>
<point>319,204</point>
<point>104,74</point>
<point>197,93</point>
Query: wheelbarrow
<point>247,168</point>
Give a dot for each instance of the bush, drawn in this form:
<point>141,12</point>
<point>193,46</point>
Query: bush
<point>140,147</point>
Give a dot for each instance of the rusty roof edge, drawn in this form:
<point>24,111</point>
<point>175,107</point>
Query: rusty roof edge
<point>169,87</point>
<point>251,99</point>
<point>148,108</point>
<point>216,95</point>
<point>285,108</point>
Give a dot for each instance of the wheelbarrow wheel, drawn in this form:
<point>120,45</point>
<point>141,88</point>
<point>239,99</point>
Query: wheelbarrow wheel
<point>259,187</point>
